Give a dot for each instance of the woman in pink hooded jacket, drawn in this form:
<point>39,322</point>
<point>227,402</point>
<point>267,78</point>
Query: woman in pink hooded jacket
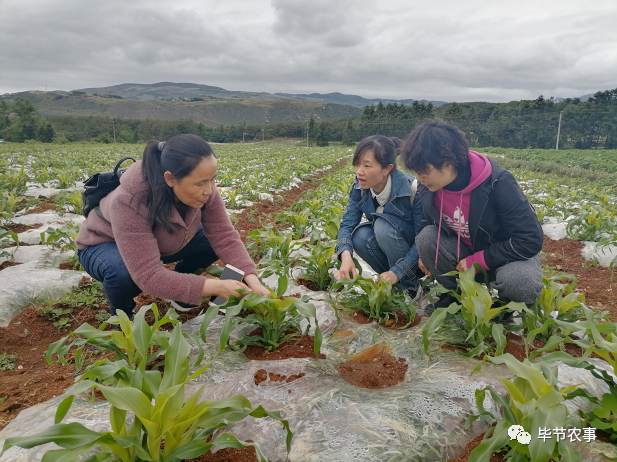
<point>166,209</point>
<point>474,212</point>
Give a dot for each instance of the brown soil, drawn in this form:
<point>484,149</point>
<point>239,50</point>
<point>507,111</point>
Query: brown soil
<point>599,284</point>
<point>302,348</point>
<point>374,368</point>
<point>19,228</point>
<point>310,285</point>
<point>33,380</point>
<point>361,318</point>
<point>6,264</point>
<point>247,454</point>
<point>65,266</point>
<point>384,371</point>
<point>42,207</point>
<point>262,375</point>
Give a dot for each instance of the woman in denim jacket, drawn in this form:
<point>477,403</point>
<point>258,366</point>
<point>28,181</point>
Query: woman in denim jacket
<point>385,196</point>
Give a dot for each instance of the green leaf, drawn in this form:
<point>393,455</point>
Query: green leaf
<point>66,455</point>
<point>553,417</point>
<point>63,408</point>
<point>142,333</point>
<point>499,438</point>
<point>500,338</point>
<point>68,436</point>
<point>128,399</point>
<point>176,360</point>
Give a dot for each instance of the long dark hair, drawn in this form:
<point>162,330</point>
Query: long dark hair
<point>179,155</point>
<point>435,142</point>
<point>384,149</point>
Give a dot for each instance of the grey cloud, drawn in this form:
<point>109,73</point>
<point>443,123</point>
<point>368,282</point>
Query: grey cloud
<point>446,50</point>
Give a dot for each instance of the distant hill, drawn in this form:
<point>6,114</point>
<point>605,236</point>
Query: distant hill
<point>209,110</point>
<point>171,90</point>
<point>583,98</point>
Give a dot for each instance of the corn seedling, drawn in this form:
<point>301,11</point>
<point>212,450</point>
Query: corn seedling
<point>279,320</point>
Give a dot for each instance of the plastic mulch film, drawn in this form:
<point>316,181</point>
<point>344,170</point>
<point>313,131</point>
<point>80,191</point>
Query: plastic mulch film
<point>420,419</point>
<point>38,279</point>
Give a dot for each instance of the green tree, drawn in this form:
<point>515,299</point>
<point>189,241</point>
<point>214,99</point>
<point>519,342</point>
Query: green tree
<point>348,139</point>
<point>323,134</point>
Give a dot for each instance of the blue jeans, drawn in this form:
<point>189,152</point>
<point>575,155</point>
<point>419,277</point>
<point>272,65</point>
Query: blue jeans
<point>104,263</point>
<point>382,245</point>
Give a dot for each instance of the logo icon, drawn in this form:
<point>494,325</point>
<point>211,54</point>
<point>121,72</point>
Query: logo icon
<point>518,432</point>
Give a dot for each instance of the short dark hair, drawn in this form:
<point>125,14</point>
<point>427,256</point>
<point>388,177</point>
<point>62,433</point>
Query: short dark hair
<point>179,155</point>
<point>384,149</point>
<point>435,143</point>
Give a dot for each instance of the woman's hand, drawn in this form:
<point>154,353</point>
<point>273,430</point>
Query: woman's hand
<point>223,288</point>
<point>389,276</point>
<point>462,266</point>
<point>348,269</point>
<point>423,268</point>
<point>255,285</point>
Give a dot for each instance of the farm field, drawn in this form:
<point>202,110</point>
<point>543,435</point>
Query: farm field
<point>291,235</point>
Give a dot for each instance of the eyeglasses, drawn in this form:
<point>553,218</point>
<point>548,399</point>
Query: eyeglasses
<point>423,175</point>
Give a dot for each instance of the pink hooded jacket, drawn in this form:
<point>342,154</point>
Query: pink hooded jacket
<point>141,246</point>
<point>453,207</point>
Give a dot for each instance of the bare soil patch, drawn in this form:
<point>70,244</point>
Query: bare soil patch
<point>262,375</point>
<point>296,348</point>
<point>247,454</point>
<point>599,284</point>
<point>374,368</point>
<point>6,264</point>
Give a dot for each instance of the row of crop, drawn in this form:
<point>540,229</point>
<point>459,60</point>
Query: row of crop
<point>304,238</point>
<point>476,323</point>
<point>604,160</point>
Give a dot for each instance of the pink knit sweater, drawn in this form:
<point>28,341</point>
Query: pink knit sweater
<point>141,245</point>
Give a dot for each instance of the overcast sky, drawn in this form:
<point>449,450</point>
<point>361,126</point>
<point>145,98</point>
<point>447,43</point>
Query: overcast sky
<point>448,50</point>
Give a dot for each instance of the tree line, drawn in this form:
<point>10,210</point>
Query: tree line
<point>517,124</point>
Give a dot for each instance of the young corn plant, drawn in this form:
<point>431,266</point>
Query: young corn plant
<point>599,338</point>
<point>467,322</point>
<point>318,265</point>
<point>127,344</point>
<point>534,403</point>
<point>63,238</point>
<point>378,300</point>
<point>279,320</point>
<point>298,221</point>
<point>558,300</point>
<point>164,426</point>
<point>8,239</point>
<point>280,257</point>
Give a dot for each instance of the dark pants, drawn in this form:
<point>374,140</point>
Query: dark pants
<point>104,263</point>
<point>517,281</point>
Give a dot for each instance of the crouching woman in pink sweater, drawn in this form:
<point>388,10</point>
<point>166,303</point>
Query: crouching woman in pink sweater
<point>166,209</point>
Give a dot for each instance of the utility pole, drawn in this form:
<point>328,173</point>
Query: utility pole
<point>307,133</point>
<point>243,136</point>
<point>263,134</point>
<point>113,124</point>
<point>558,130</point>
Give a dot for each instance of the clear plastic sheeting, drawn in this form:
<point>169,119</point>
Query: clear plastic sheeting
<point>604,255</point>
<point>38,277</point>
<point>555,229</point>
<point>420,419</point>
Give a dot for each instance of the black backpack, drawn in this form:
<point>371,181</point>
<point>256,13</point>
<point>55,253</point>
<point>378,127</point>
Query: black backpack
<point>99,185</point>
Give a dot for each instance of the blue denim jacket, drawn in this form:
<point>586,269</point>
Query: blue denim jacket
<point>398,211</point>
